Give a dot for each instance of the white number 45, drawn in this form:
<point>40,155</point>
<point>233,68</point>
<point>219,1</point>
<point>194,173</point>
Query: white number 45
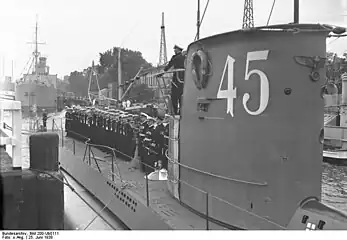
<point>230,92</point>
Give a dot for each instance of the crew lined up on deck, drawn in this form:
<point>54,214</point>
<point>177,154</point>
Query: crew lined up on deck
<point>122,131</point>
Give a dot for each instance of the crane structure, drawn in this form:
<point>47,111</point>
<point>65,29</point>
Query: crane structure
<point>248,21</point>
<point>162,53</point>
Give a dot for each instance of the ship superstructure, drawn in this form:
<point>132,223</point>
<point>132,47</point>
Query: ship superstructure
<point>37,89</point>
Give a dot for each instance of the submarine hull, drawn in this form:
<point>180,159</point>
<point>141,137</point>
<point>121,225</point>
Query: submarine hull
<point>251,138</point>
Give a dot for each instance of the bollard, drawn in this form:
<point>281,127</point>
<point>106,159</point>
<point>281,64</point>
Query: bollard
<point>44,160</point>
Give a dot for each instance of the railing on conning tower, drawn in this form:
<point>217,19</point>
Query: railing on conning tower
<point>11,108</point>
<point>164,86</point>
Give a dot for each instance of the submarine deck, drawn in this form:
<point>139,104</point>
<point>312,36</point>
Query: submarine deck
<point>169,209</point>
<point>79,214</point>
<point>80,207</point>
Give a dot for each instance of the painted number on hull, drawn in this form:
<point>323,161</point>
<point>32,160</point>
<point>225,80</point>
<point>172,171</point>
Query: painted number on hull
<point>230,93</point>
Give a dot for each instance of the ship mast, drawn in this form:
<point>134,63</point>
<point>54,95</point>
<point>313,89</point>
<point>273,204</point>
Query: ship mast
<point>198,22</point>
<point>120,90</point>
<point>200,19</point>
<point>296,11</point>
<point>36,53</point>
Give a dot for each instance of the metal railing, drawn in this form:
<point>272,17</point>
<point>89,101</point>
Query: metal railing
<point>114,171</point>
<point>89,156</point>
<point>160,79</point>
<point>14,137</point>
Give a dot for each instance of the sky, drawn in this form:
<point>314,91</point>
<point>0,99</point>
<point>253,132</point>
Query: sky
<point>76,31</point>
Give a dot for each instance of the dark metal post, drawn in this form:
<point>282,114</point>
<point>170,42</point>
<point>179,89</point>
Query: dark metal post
<point>74,147</point>
<point>112,165</point>
<point>89,156</point>
<point>85,152</point>
<point>62,137</point>
<point>207,222</point>
<point>147,192</point>
<point>296,11</point>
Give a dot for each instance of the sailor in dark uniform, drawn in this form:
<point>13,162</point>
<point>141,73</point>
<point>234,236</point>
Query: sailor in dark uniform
<point>177,62</point>
<point>44,119</point>
<point>68,118</point>
<point>142,134</point>
<point>90,124</point>
<point>131,136</point>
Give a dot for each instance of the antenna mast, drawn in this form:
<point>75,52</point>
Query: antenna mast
<point>198,22</point>
<point>36,46</point>
<point>162,54</point>
<point>248,21</point>
<point>120,90</point>
<point>296,11</point>
<point>36,53</point>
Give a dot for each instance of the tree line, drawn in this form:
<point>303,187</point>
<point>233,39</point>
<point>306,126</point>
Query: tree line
<point>107,69</point>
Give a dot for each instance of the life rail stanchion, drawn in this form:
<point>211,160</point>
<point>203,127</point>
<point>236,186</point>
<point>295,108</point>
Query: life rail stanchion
<point>112,166</point>
<point>89,162</point>
<point>207,213</point>
<point>147,192</point>
<point>62,137</point>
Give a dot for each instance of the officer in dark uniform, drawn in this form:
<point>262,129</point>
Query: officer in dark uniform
<point>177,62</point>
<point>109,130</point>
<point>68,119</point>
<point>44,119</point>
<point>131,137</point>
<point>94,127</point>
<point>142,134</point>
<point>90,124</point>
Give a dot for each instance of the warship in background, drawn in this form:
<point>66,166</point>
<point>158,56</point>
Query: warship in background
<point>37,90</point>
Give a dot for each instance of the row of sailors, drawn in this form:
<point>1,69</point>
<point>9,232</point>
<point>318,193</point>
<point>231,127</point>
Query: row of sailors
<point>153,142</point>
<point>122,131</point>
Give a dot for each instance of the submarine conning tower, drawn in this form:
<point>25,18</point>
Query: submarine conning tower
<point>251,127</point>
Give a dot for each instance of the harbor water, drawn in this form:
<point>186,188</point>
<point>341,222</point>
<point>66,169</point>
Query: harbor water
<point>334,186</point>
<point>334,177</point>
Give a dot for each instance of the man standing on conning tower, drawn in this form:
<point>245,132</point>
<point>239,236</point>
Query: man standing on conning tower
<point>177,62</point>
